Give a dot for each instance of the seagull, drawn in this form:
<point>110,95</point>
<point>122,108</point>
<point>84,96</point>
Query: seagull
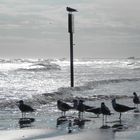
<point>78,105</point>
<point>75,103</point>
<point>120,108</point>
<point>86,107</point>
<point>136,99</point>
<point>69,9</point>
<point>96,111</point>
<point>105,111</point>
<point>81,108</point>
<point>63,107</point>
<point>24,108</point>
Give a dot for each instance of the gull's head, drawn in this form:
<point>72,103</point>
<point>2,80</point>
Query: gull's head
<point>134,93</point>
<point>113,101</point>
<point>102,104</point>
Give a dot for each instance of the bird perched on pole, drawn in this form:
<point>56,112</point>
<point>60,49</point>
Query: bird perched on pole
<point>69,9</point>
<point>136,99</point>
<point>24,108</point>
<point>121,108</point>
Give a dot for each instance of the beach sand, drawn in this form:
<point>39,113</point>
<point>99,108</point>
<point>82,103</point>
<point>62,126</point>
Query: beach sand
<point>50,134</point>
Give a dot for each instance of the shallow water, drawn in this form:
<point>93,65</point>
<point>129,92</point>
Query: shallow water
<point>46,117</point>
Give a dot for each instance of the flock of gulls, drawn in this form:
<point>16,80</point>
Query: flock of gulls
<point>79,106</point>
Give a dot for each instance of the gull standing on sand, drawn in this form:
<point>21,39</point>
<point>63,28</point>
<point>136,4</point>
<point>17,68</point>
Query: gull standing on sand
<point>120,108</point>
<point>136,99</point>
<point>81,107</point>
<point>63,107</point>
<point>78,105</point>
<point>105,111</point>
<point>24,108</point>
<point>96,111</point>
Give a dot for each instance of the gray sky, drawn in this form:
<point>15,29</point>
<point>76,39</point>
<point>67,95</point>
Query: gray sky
<point>38,28</point>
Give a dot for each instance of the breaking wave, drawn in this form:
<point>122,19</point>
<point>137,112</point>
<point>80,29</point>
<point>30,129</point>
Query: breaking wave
<point>28,65</point>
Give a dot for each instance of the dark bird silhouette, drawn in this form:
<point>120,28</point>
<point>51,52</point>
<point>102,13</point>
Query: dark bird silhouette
<point>96,111</point>
<point>69,9</point>
<point>136,99</point>
<point>24,108</point>
<point>81,109</point>
<point>105,111</point>
<point>75,103</point>
<point>63,107</point>
<point>78,105</point>
<point>120,108</point>
<point>87,107</point>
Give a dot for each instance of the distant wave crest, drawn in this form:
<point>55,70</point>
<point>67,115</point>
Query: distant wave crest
<point>108,81</point>
<point>41,67</point>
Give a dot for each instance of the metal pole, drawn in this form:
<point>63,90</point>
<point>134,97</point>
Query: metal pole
<point>71,31</point>
<point>71,60</point>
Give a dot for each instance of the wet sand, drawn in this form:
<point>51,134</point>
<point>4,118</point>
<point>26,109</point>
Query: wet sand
<point>44,126</point>
<point>50,134</point>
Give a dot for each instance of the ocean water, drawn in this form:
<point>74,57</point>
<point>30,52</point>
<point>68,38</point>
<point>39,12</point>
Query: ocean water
<point>40,81</point>
<point>24,78</point>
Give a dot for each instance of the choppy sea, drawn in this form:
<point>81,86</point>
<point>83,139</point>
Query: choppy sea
<point>41,82</point>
